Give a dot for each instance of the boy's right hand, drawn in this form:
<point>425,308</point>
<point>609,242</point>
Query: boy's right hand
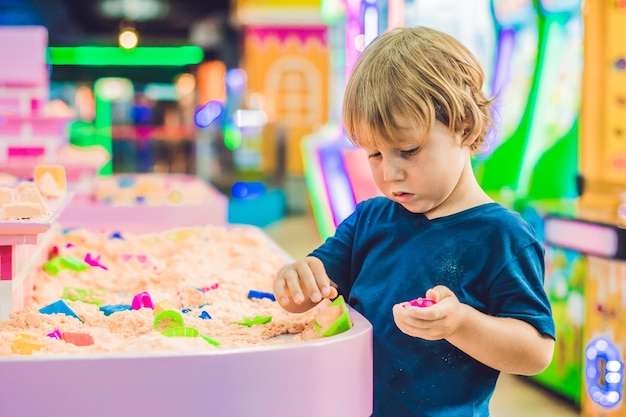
<point>299,286</point>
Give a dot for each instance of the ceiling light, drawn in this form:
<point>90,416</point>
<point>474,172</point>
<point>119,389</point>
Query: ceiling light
<point>128,38</point>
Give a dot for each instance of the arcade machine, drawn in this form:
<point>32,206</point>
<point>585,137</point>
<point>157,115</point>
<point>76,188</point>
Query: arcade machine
<point>517,33</point>
<point>546,177</point>
<point>599,227</point>
<point>538,64</point>
<point>550,164</point>
<point>547,140</point>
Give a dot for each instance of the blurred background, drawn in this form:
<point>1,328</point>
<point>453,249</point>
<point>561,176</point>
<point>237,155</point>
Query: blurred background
<point>243,97</point>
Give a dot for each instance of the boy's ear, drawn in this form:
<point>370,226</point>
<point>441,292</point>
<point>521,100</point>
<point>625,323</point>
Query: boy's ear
<point>471,131</point>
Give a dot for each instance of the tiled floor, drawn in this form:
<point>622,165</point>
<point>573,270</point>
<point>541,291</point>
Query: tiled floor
<point>514,396</point>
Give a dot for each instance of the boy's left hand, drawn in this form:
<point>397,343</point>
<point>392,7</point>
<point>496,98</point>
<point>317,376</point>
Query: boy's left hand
<point>436,322</point>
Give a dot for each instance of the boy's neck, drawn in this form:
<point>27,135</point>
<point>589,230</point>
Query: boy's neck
<point>467,194</point>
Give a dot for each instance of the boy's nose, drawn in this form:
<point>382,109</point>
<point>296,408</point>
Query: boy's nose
<point>392,172</point>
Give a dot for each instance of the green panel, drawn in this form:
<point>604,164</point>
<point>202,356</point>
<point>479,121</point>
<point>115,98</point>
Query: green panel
<point>549,158</point>
<point>501,169</point>
<point>555,174</point>
<point>101,55</point>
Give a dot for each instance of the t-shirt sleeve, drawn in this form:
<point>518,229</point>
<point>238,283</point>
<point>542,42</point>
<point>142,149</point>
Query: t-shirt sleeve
<point>518,290</point>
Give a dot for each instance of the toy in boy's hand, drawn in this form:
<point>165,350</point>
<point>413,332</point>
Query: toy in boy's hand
<point>421,302</point>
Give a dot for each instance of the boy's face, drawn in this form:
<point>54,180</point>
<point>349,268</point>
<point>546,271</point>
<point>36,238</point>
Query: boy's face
<point>426,173</point>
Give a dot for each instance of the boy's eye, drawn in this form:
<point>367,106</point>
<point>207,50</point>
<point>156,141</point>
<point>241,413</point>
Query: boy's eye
<point>410,152</point>
<point>374,155</point>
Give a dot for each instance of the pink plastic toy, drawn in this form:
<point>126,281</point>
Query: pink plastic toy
<point>55,334</point>
<point>422,302</point>
<point>142,300</point>
<point>94,261</point>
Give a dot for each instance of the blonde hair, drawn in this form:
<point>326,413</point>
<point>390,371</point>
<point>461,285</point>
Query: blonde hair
<point>419,73</point>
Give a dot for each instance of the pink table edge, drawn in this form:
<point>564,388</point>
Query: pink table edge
<point>327,377</point>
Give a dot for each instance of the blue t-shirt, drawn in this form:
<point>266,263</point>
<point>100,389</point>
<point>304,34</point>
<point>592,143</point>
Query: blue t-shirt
<point>488,256</point>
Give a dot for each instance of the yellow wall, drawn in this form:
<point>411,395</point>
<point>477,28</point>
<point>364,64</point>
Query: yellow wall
<point>288,67</point>
<point>603,125</point>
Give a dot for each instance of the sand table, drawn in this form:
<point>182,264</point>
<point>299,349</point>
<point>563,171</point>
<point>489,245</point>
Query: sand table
<point>205,275</point>
<point>149,189</point>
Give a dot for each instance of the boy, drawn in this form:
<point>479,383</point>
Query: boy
<point>415,104</point>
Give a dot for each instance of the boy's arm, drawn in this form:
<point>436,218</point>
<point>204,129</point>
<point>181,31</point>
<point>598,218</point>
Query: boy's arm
<point>506,344</point>
<point>503,343</point>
